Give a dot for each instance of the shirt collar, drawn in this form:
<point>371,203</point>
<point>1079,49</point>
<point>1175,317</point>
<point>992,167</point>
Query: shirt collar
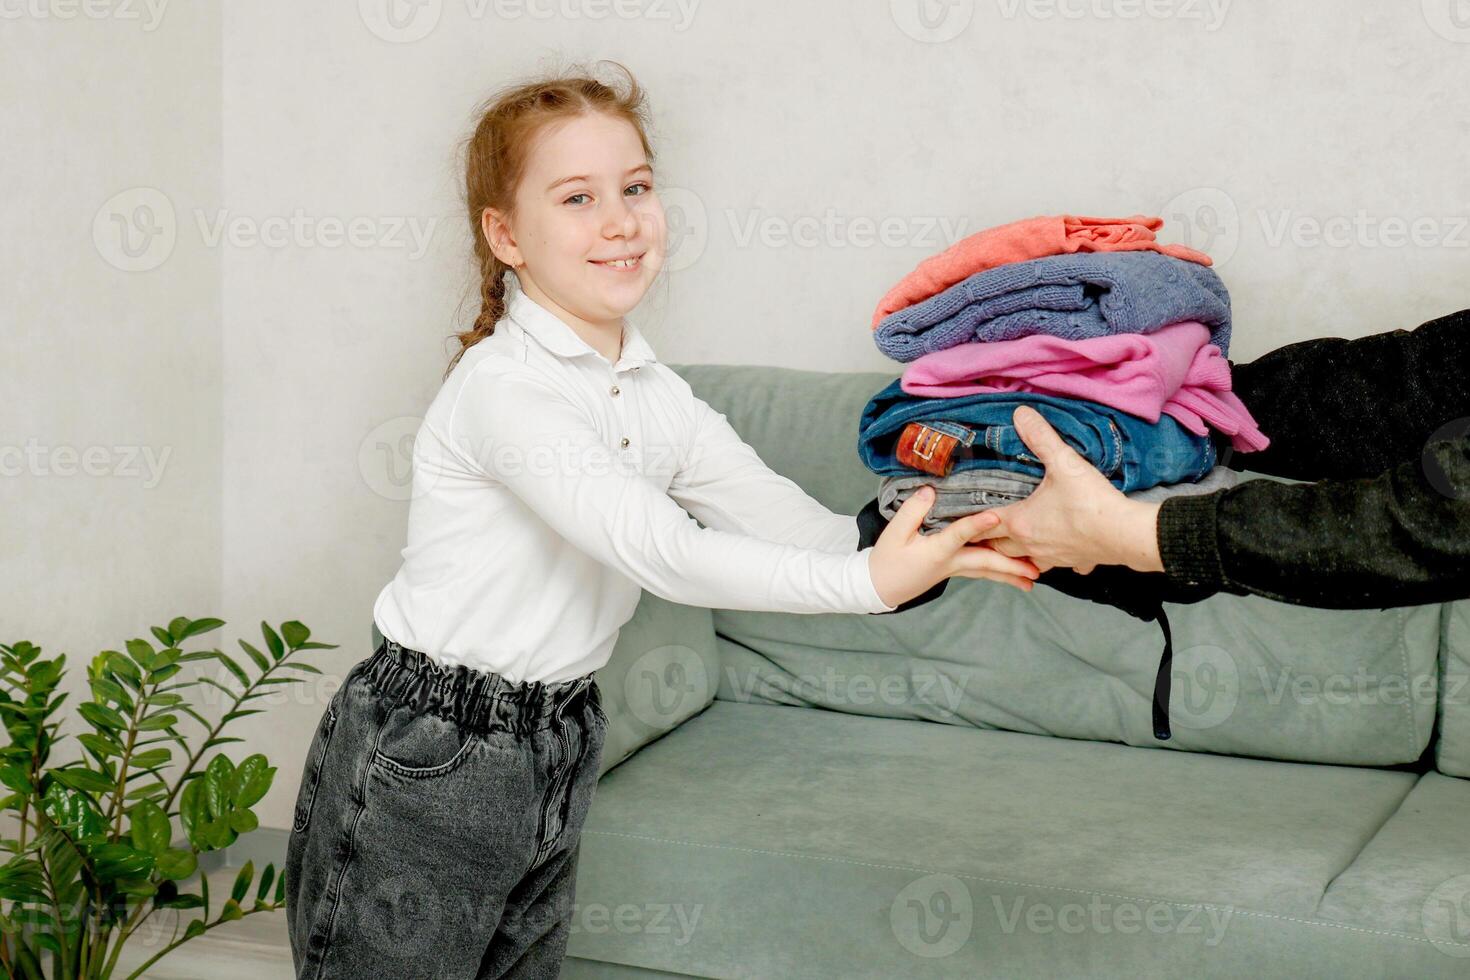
<point>552,333</point>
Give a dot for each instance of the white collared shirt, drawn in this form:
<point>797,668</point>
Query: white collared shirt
<point>550,487</point>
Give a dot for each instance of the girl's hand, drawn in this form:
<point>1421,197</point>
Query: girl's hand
<point>905,563</point>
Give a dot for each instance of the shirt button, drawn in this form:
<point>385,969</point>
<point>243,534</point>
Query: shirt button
<point>625,442</point>
<point>615,389</point>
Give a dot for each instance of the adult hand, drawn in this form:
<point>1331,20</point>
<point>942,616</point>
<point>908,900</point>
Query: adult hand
<point>1075,517</point>
<point>905,563</point>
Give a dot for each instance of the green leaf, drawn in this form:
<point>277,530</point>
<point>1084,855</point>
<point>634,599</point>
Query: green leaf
<point>266,878</point>
<point>150,828</point>
<point>102,716</point>
<point>231,911</point>
<point>217,786</point>
<point>88,780</point>
<point>100,744</point>
<point>256,656</point>
<point>142,653</point>
<point>176,865</point>
<point>199,626</point>
<point>191,814</point>
<point>161,674</point>
<point>72,811</point>
<point>162,635</point>
<point>120,861</point>
<point>17,779</point>
<point>272,640</point>
<point>233,668</point>
<point>242,881</point>
<point>243,821</point>
<point>124,668</point>
<point>295,633</point>
<point>195,927</point>
<point>183,901</point>
<point>152,758</point>
<point>176,628</point>
<point>155,722</point>
<point>251,780</point>
<point>110,690</point>
<point>242,714</point>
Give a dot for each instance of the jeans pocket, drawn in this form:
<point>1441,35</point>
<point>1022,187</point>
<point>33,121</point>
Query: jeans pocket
<point>420,745</point>
<point>312,775</point>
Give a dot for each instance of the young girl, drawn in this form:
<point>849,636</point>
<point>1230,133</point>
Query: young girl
<point>555,476</point>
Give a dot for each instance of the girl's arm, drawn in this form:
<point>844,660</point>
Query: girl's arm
<point>1339,409</point>
<point>521,431</point>
<point>727,486</point>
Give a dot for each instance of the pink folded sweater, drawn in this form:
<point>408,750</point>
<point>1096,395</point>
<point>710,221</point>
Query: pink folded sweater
<point>1173,371</point>
<point>1021,241</point>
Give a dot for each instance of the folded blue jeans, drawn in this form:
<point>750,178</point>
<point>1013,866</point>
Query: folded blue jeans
<point>1131,452</point>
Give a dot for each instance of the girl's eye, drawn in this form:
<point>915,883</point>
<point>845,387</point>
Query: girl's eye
<point>574,197</point>
<point>643,184</point>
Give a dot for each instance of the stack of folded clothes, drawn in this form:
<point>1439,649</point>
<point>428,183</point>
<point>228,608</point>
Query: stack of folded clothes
<point>1118,340</point>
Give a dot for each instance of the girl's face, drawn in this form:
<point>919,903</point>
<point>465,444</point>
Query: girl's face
<point>589,232</point>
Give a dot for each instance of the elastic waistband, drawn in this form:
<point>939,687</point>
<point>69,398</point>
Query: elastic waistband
<point>479,700</point>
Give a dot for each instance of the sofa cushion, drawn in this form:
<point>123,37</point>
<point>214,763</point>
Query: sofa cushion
<point>878,847</point>
<point>662,670</point>
<point>1453,748</point>
<point>1251,676</point>
<point>1414,875</point>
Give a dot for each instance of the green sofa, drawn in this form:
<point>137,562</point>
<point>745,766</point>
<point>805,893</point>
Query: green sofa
<point>972,788</point>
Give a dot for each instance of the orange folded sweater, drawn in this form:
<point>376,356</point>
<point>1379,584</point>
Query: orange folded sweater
<point>1021,241</point>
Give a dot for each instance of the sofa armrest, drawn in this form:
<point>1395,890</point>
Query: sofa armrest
<point>663,671</point>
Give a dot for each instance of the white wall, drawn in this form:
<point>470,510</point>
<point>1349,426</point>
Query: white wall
<point>1246,126</point>
<point>110,453</point>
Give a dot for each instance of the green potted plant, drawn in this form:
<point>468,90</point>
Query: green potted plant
<point>96,853</point>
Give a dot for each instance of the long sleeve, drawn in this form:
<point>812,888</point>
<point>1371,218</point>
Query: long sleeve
<point>530,437</point>
<point>727,486</point>
<point>1389,523</point>
<point>1338,408</point>
<point>1401,538</point>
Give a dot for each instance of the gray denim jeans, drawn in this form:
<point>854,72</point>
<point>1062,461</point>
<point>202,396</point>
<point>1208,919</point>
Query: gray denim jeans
<point>437,822</point>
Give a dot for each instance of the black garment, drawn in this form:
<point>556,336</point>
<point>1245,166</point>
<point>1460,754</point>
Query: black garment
<point>1383,422</point>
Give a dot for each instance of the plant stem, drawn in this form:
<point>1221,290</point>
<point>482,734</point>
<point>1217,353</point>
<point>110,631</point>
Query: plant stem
<point>174,945</point>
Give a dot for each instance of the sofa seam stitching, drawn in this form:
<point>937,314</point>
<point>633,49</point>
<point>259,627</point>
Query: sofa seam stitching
<point>1030,884</point>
